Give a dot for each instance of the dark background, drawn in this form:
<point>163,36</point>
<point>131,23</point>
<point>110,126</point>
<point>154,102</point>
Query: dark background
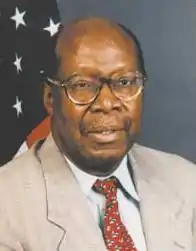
<point>167,33</point>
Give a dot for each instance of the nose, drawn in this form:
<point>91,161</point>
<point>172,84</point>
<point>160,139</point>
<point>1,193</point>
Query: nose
<point>106,101</point>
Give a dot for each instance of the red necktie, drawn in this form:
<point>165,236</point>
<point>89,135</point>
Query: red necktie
<point>115,233</point>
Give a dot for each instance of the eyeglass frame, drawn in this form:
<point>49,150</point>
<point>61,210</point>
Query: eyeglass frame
<point>63,83</point>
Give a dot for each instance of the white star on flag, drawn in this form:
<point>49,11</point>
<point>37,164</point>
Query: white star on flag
<point>18,106</point>
<point>52,28</point>
<point>17,63</point>
<point>19,18</point>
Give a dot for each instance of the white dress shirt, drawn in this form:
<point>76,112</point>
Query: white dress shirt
<point>128,206</point>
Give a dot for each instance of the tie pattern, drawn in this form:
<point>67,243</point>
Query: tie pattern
<point>115,233</point>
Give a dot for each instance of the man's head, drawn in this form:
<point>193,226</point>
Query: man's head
<point>96,115</point>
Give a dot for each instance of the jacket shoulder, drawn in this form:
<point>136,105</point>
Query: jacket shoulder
<point>20,170</point>
<point>163,157</point>
<point>173,170</point>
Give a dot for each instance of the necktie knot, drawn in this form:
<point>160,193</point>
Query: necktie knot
<point>107,187</point>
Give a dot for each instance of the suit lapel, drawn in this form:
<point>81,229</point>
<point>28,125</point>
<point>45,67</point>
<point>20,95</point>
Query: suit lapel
<point>164,214</point>
<point>67,208</point>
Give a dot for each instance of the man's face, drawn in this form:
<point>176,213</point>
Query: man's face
<point>105,129</point>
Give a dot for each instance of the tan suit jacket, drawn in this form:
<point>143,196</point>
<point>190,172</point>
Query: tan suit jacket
<point>42,207</point>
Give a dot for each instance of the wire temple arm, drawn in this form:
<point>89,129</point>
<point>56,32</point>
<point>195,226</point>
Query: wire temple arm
<point>50,81</point>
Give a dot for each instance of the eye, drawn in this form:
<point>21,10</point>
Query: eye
<point>123,82</point>
<point>81,85</point>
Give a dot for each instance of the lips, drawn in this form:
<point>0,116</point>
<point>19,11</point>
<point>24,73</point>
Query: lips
<point>107,132</point>
<point>104,130</point>
<point>106,136</point>
<point>105,126</point>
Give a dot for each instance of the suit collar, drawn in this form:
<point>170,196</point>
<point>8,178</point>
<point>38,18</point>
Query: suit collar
<point>162,209</point>
<point>67,208</point>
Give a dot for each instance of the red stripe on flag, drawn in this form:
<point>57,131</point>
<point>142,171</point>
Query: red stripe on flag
<point>39,132</point>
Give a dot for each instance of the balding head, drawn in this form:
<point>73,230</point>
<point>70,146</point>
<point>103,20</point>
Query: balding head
<point>86,33</point>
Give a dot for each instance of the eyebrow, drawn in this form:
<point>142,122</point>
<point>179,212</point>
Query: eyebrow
<point>76,74</point>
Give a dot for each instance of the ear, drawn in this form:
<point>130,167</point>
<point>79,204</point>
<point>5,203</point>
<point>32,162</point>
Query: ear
<point>48,100</point>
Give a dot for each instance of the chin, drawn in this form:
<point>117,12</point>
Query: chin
<point>103,163</point>
<point>108,153</point>
<point>99,160</point>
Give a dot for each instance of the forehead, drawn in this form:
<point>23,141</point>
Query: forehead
<point>99,54</point>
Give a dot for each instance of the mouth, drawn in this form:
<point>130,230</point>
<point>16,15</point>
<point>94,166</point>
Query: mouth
<point>106,136</point>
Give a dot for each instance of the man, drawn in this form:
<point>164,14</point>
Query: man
<point>88,186</point>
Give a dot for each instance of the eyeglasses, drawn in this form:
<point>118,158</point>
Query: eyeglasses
<point>84,90</point>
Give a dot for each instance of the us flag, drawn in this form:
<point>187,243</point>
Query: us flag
<point>28,32</point>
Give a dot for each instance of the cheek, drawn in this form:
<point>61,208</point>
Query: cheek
<point>70,117</point>
<point>135,111</point>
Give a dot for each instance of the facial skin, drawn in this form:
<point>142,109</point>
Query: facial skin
<point>83,132</point>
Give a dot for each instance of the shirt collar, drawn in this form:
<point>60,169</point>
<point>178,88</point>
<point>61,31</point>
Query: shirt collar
<point>86,180</point>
